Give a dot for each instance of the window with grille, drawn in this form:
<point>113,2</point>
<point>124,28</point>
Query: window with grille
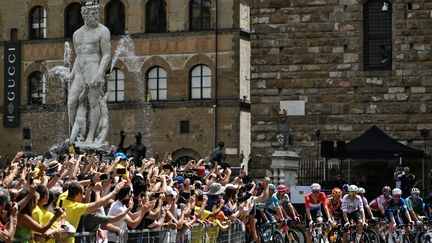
<point>73,19</point>
<point>36,87</point>
<point>37,23</point>
<point>156,16</point>
<point>115,84</point>
<point>200,80</point>
<point>184,127</point>
<point>200,14</point>
<point>157,83</point>
<point>115,17</point>
<point>377,32</point>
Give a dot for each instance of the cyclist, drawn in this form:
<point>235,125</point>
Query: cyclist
<point>284,200</point>
<point>335,204</point>
<point>394,206</point>
<point>428,206</point>
<point>352,208</point>
<point>378,204</point>
<point>315,201</point>
<point>361,192</point>
<point>416,206</point>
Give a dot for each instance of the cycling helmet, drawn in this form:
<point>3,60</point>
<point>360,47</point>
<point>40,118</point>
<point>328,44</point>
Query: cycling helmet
<point>315,187</point>
<point>282,188</point>
<point>336,192</point>
<point>415,191</point>
<point>397,191</point>
<point>352,188</point>
<point>361,190</point>
<point>272,187</point>
<point>386,189</point>
<point>345,187</point>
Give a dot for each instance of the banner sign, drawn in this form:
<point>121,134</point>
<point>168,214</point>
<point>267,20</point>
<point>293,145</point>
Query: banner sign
<point>12,64</point>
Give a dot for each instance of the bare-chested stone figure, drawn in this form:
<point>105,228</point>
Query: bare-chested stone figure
<point>93,53</point>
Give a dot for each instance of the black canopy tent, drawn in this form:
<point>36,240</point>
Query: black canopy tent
<point>374,143</point>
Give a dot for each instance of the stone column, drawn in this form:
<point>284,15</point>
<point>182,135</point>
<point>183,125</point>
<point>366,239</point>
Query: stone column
<point>284,167</point>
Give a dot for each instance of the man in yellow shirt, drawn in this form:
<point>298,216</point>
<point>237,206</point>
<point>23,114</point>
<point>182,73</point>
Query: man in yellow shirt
<point>75,208</point>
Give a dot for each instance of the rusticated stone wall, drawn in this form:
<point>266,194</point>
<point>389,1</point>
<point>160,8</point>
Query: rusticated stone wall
<point>312,50</point>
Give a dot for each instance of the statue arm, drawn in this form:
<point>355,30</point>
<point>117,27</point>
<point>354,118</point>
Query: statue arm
<point>72,73</point>
<point>105,45</point>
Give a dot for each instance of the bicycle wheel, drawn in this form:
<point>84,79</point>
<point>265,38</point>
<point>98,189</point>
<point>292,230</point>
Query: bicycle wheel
<point>424,237</point>
<point>292,237</point>
<point>321,238</point>
<point>277,237</point>
<point>364,238</point>
<point>300,232</point>
<point>405,239</point>
<point>373,236</point>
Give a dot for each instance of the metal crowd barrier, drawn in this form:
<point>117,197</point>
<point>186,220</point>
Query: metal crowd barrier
<point>198,234</point>
<point>85,237</point>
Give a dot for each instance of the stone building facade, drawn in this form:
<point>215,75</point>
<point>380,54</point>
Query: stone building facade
<point>350,63</point>
<point>176,43</point>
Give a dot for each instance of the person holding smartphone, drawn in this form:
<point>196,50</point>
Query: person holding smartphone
<point>8,221</point>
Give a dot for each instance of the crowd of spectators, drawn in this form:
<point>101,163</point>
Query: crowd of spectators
<point>48,200</point>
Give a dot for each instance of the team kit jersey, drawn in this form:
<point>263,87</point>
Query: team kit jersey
<point>315,204</point>
<point>417,206</point>
<point>335,206</point>
<point>394,206</point>
<point>350,205</point>
<point>378,202</point>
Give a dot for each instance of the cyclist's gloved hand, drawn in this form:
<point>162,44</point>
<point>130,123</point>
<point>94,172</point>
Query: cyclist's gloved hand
<point>346,225</point>
<point>411,222</point>
<point>374,219</point>
<point>311,223</point>
<point>284,220</point>
<point>297,218</point>
<point>418,223</point>
<point>365,225</point>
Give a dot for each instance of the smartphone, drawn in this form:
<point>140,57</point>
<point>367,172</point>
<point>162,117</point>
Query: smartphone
<point>157,194</point>
<point>103,177</point>
<point>121,171</point>
<point>186,195</point>
<point>192,192</point>
<point>167,167</point>
<point>61,204</point>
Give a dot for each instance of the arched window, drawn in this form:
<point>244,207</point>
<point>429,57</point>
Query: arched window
<point>377,27</point>
<point>200,80</point>
<point>36,84</point>
<point>73,19</point>
<point>37,23</point>
<point>115,17</point>
<point>157,83</point>
<point>115,84</point>
<point>200,13</point>
<point>156,16</point>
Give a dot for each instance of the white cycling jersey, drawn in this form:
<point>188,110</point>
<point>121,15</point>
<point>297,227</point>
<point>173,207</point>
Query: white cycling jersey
<point>351,205</point>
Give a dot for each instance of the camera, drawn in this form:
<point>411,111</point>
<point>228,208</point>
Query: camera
<point>121,171</point>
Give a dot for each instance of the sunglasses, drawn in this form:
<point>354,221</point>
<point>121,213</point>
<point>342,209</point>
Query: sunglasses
<point>315,191</point>
<point>352,193</point>
<point>397,196</point>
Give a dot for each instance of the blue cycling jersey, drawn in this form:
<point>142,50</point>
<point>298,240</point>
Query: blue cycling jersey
<point>399,204</point>
<point>416,205</point>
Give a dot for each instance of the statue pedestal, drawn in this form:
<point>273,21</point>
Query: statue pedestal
<point>101,148</point>
<point>284,167</point>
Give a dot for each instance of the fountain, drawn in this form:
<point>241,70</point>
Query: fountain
<point>87,102</point>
